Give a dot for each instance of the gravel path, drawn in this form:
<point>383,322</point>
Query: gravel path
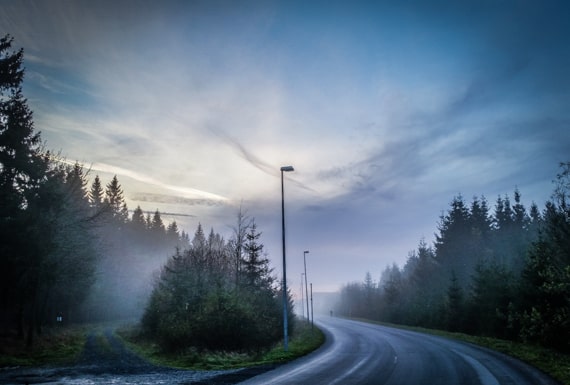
<point>106,360</point>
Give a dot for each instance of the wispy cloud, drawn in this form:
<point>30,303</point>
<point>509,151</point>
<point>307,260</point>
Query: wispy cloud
<point>182,190</point>
<point>255,161</point>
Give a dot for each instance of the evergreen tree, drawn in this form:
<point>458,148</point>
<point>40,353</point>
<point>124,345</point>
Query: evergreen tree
<point>545,315</point>
<point>454,305</point>
<point>490,298</point>
<point>237,243</point>
<point>535,221</point>
<point>157,226</point>
<point>195,302</point>
<point>75,253</point>
<point>511,233</point>
<point>96,195</point>
<point>172,234</point>
<point>422,292</point>
<point>369,293</point>
<point>255,266</point>
<point>450,245</point>
<point>22,164</point>
<point>138,222</point>
<point>115,200</point>
<point>391,282</point>
<point>23,168</point>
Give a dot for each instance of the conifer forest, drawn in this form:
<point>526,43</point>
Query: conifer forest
<point>73,251</point>
<point>501,271</point>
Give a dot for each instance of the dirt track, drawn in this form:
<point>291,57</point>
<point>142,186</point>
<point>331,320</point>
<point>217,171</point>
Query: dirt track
<point>106,359</point>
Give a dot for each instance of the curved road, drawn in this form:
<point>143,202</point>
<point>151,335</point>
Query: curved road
<point>361,353</point>
<point>354,353</point>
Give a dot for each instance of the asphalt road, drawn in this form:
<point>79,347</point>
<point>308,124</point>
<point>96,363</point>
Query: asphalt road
<point>361,353</point>
<point>354,353</point>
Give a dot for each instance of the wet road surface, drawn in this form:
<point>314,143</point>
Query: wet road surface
<point>361,353</point>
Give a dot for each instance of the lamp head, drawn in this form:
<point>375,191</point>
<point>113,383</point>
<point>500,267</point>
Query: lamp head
<point>287,168</point>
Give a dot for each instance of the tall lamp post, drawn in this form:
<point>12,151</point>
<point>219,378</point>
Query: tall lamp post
<point>306,287</point>
<point>285,326</point>
<point>302,301</point>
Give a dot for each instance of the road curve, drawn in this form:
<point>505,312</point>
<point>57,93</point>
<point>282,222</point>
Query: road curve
<point>361,353</point>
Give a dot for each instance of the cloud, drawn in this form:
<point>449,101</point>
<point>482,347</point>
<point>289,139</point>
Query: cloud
<point>173,199</point>
<point>182,190</point>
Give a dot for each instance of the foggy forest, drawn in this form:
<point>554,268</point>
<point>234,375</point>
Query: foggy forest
<point>503,274</point>
<point>75,251</point>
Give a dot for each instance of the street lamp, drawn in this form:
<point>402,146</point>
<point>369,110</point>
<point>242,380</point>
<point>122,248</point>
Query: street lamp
<point>302,301</point>
<point>285,326</point>
<point>306,287</point>
<point>312,317</point>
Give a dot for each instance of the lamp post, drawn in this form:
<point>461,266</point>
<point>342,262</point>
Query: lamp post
<point>285,326</point>
<point>302,301</point>
<point>306,287</point>
<point>312,317</point>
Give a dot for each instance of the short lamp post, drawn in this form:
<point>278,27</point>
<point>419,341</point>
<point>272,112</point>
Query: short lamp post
<point>285,326</point>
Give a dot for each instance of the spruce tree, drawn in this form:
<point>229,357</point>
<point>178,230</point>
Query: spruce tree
<point>138,222</point>
<point>115,200</point>
<point>546,278</point>
<point>157,226</point>
<point>23,167</point>
<point>22,164</point>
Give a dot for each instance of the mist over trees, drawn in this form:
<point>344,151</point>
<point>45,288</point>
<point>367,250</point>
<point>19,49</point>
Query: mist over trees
<point>66,251</point>
<point>131,248</point>
<point>217,295</point>
<point>47,251</point>
<point>504,274</point>
<point>75,253</point>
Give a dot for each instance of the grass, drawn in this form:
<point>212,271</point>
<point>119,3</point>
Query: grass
<point>63,345</point>
<point>57,346</point>
<point>554,363</point>
<point>303,341</point>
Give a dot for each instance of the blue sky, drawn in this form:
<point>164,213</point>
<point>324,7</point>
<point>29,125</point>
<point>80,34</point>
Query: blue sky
<point>385,109</point>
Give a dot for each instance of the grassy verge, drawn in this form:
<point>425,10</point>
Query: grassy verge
<point>55,346</point>
<point>549,361</point>
<point>303,341</point>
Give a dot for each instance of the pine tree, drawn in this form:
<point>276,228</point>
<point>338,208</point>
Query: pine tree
<point>450,245</point>
<point>115,200</point>
<point>22,164</point>
<point>172,234</point>
<point>546,278</point>
<point>96,193</point>
<point>157,226</point>
<point>454,305</point>
<point>256,269</point>
<point>237,243</point>
<point>138,222</point>
<point>23,169</point>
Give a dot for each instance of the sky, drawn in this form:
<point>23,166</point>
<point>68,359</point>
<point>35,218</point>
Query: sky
<point>386,110</point>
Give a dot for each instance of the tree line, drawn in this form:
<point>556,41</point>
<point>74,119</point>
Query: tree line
<point>75,253</point>
<point>217,295</point>
<point>504,274</point>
